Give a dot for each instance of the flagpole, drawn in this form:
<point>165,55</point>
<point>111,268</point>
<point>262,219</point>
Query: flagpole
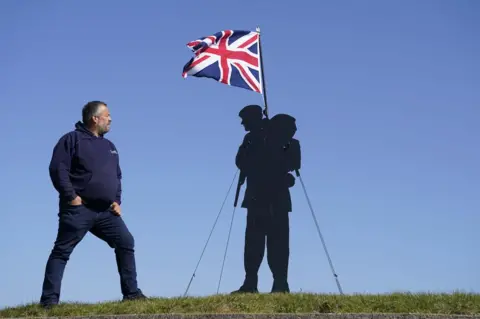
<point>264,87</point>
<point>265,111</point>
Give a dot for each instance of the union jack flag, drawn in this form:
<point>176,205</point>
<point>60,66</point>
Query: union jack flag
<point>231,57</point>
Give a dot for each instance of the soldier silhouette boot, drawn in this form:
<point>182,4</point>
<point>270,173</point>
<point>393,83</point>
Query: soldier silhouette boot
<point>245,290</point>
<point>280,286</point>
<point>249,286</point>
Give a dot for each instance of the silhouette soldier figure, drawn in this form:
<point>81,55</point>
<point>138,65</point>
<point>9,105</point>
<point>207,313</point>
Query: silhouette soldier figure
<point>266,156</point>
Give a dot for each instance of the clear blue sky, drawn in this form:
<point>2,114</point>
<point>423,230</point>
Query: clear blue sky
<point>387,99</point>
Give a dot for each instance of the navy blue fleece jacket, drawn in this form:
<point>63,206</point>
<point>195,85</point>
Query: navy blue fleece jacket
<point>88,166</point>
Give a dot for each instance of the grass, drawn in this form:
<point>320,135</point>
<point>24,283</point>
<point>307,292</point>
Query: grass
<point>453,304</point>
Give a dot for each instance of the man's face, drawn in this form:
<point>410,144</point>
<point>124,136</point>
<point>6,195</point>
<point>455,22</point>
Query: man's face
<point>103,120</point>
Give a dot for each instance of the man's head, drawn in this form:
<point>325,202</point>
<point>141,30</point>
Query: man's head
<point>96,117</point>
<point>251,116</point>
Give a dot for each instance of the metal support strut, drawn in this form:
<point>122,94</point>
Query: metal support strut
<point>320,233</point>
<point>210,235</point>
<point>226,249</point>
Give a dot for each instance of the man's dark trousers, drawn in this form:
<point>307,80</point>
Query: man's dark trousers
<point>271,227</point>
<point>74,223</point>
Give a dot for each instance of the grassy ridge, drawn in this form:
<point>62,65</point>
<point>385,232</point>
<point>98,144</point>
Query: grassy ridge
<point>456,303</point>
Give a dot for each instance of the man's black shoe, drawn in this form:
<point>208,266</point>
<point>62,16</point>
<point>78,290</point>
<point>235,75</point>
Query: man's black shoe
<point>138,296</point>
<point>47,306</point>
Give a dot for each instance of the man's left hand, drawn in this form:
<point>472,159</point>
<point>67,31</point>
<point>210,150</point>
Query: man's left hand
<point>115,209</point>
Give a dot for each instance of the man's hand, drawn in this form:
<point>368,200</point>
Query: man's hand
<point>115,209</point>
<point>76,202</point>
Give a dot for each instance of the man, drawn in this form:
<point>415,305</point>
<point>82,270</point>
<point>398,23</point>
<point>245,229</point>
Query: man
<point>85,171</point>
<point>263,160</point>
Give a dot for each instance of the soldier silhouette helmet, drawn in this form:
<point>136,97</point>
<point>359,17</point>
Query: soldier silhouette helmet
<point>251,111</point>
<point>251,116</point>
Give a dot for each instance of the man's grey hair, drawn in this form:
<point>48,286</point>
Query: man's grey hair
<point>91,109</point>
